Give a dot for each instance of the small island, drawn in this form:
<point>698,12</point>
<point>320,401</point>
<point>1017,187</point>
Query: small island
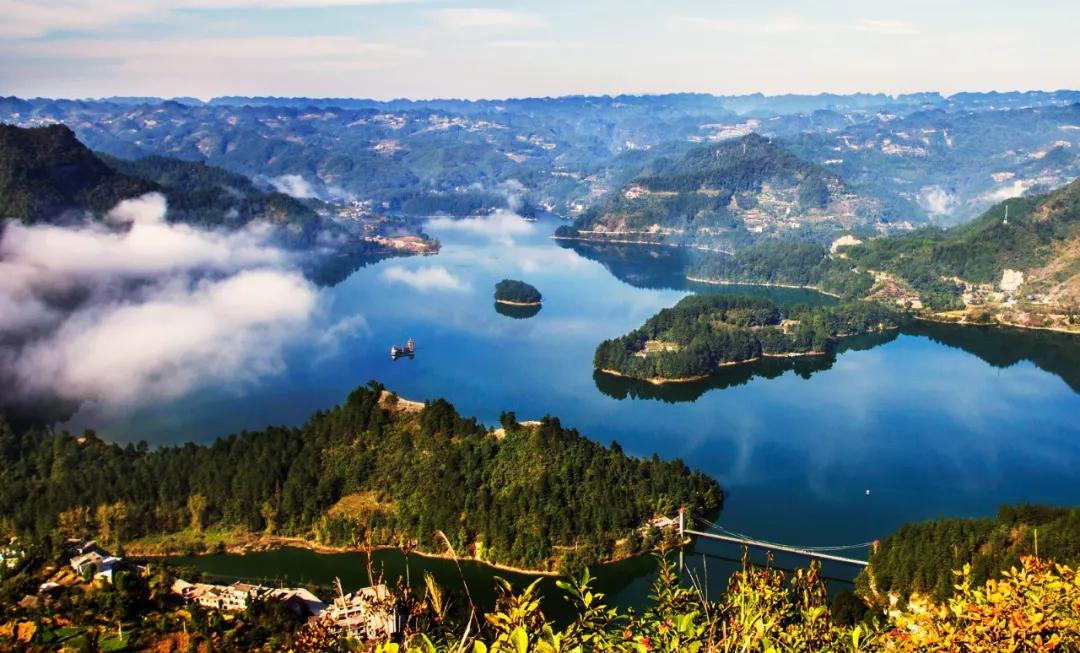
<point>702,333</point>
<point>516,293</point>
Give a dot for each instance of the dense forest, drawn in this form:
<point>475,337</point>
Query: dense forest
<point>368,470</point>
<point>702,332</point>
<point>920,557</point>
<point>517,292</point>
<point>45,172</point>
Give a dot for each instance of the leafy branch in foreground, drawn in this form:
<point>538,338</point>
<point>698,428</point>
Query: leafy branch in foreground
<point>1035,607</point>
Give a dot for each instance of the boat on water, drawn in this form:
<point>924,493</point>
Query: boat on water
<point>408,350</point>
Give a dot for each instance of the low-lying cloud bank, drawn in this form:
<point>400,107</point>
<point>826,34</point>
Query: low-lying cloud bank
<point>137,310</point>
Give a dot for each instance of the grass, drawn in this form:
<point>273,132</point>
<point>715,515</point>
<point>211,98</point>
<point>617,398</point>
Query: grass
<point>188,541</point>
<point>360,507</point>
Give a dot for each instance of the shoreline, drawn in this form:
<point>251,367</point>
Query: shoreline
<point>614,241</point>
<point>992,325</point>
<point>509,302</point>
<point>275,542</point>
<point>724,282</point>
<point>660,380</point>
<point>278,542</point>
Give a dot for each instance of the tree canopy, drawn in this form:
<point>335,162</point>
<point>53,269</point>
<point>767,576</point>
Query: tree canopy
<point>518,500</point>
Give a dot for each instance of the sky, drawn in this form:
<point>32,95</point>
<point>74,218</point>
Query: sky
<point>473,49</point>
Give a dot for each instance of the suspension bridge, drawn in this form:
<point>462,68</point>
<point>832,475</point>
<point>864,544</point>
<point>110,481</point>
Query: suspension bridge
<point>722,534</point>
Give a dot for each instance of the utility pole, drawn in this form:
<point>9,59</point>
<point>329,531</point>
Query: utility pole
<point>682,536</point>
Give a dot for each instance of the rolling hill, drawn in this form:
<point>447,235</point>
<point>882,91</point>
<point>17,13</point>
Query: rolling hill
<point>1020,268</point>
<point>725,196</point>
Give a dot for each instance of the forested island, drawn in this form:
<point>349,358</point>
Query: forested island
<point>517,293</point>
<point>375,470</point>
<point>691,340</point>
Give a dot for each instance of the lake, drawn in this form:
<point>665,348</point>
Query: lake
<point>934,420</point>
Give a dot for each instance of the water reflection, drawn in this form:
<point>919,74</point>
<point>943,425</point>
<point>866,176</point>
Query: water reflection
<point>641,266</point>
<point>517,312</point>
<point>1057,353</point>
<point>656,267</point>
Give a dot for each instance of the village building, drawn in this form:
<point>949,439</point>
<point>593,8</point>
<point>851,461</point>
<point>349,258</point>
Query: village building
<point>368,613</point>
<point>92,559</point>
<point>233,597</point>
<point>239,596</point>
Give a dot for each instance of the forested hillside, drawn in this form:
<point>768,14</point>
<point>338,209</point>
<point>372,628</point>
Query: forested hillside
<point>370,470</point>
<point>783,263</point>
<point>1040,238</point>
<point>210,196</point>
<point>45,172</point>
<point>702,332</point>
<point>729,195</point>
<point>920,557</point>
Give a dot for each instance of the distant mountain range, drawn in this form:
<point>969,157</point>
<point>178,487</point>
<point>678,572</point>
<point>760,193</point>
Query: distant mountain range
<point>920,156</point>
<point>725,195</point>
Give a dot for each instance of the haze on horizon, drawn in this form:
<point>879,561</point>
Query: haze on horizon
<point>474,49</point>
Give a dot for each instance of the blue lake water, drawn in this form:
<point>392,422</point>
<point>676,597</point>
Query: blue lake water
<point>934,420</point>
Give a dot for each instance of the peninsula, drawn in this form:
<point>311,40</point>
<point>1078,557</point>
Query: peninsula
<point>702,333</point>
<point>376,469</point>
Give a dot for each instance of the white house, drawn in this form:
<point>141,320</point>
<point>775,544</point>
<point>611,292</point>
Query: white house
<point>368,613</point>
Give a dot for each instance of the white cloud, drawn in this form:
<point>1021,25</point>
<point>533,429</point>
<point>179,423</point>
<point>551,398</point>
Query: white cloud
<point>779,25</point>
<point>168,343</point>
<point>935,200</point>
<point>144,311</point>
<point>790,25</point>
<point>431,277</point>
<point>347,327</point>
<point>279,51</point>
<point>484,19</point>
<point>1015,189</point>
<point>295,186</point>
<point>501,226</point>
<point>883,26</point>
<point>46,255</point>
<point>34,18</point>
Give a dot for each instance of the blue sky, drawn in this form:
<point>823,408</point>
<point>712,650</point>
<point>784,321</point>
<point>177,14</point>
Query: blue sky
<point>402,48</point>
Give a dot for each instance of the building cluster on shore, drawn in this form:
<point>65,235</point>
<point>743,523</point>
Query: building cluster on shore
<point>368,613</point>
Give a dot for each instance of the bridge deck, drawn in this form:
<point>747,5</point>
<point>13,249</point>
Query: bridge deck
<point>777,547</point>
